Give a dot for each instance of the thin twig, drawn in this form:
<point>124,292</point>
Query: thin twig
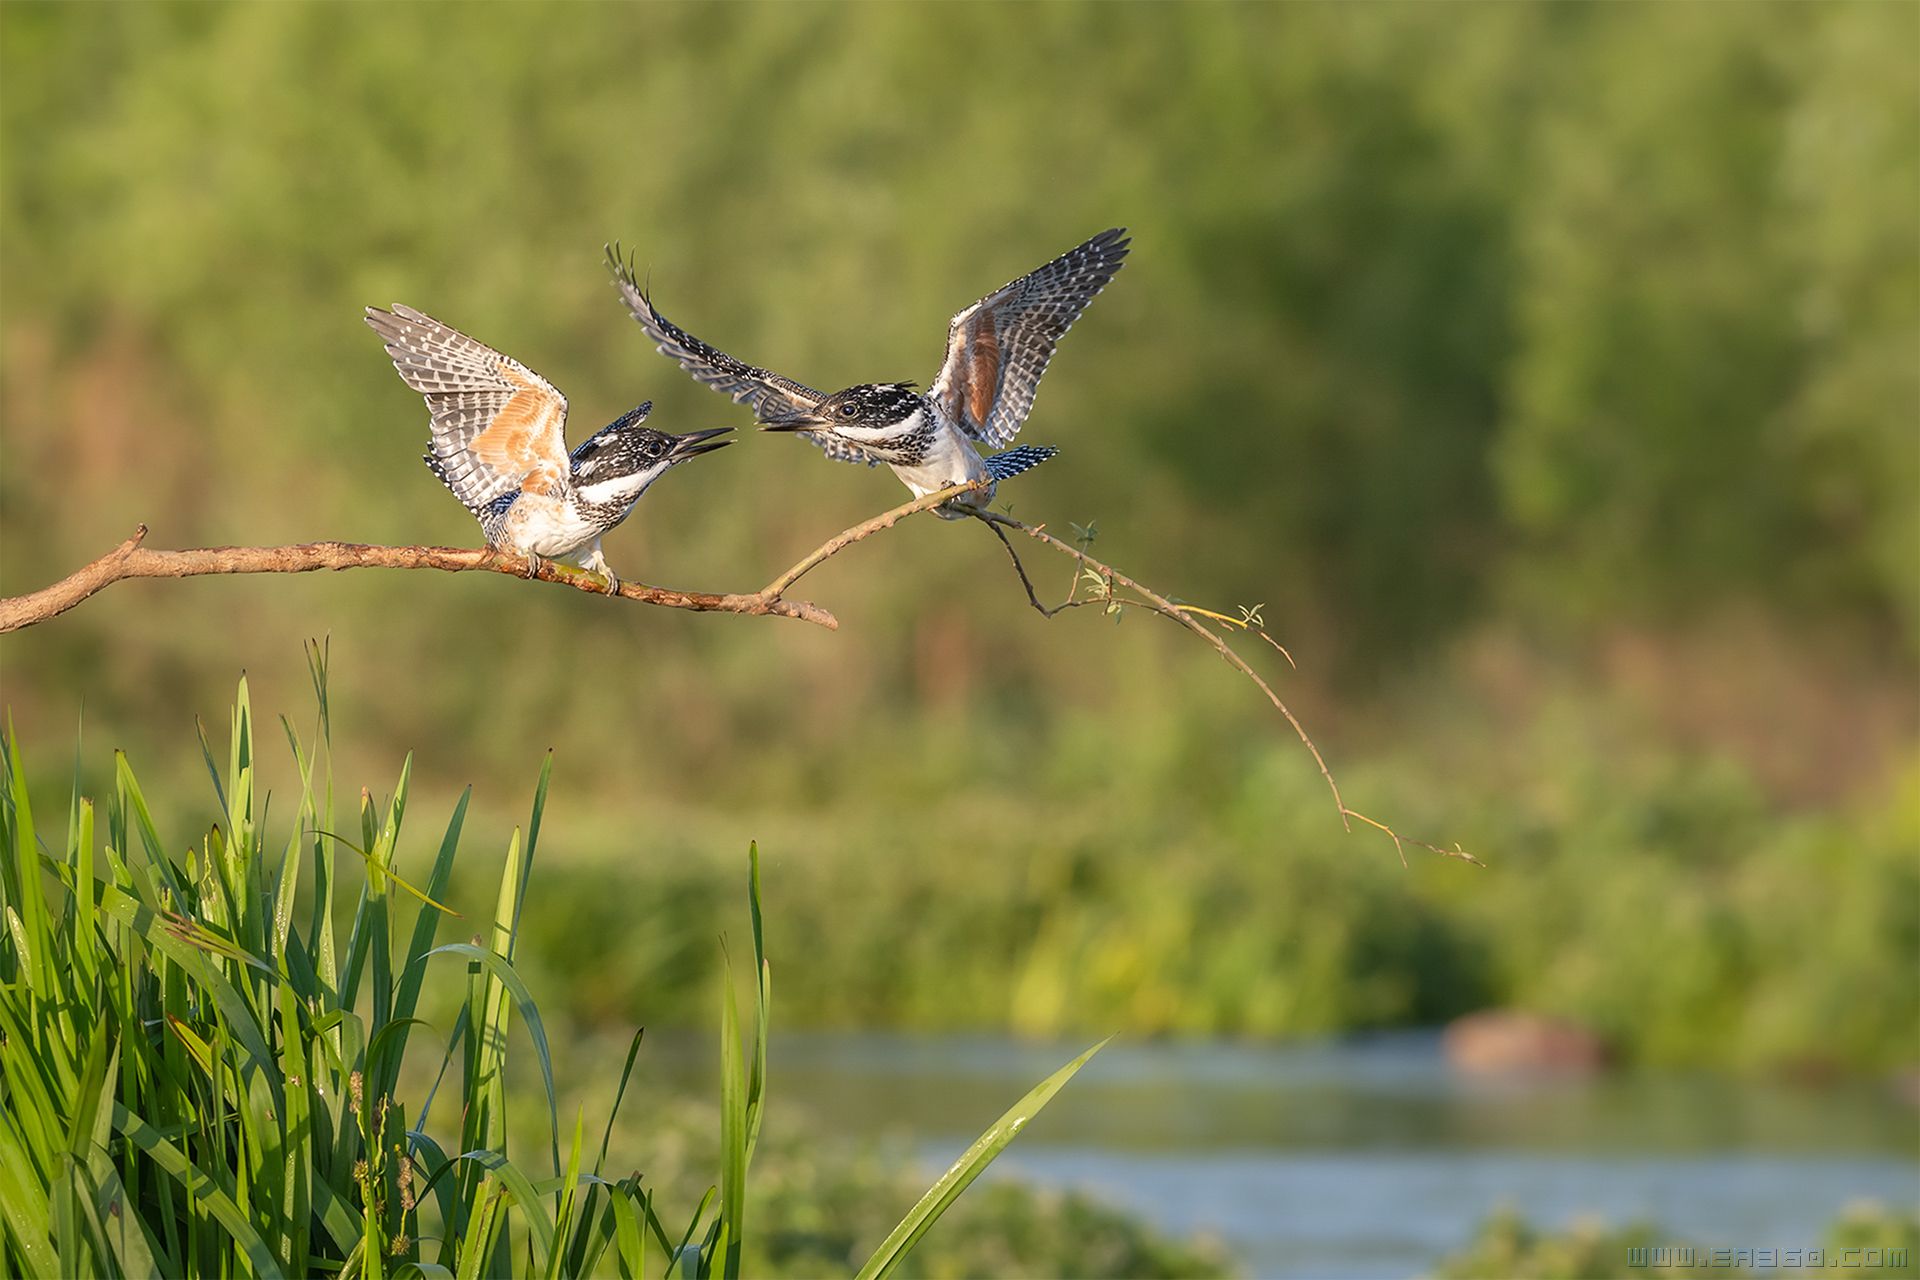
<point>1025,581</point>
<point>1154,602</point>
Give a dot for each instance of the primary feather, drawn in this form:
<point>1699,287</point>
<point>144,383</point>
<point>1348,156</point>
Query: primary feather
<point>497,425</point>
<point>998,348</point>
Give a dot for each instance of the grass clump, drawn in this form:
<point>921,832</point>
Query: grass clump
<point>203,1056</point>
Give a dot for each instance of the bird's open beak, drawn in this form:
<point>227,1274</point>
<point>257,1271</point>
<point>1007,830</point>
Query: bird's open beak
<point>695,443</point>
<point>795,422</point>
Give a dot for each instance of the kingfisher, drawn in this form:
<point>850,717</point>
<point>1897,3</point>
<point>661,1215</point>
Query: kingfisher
<point>997,350</point>
<point>499,443</point>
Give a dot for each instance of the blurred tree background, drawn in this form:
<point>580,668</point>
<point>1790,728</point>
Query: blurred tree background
<point>1551,375</point>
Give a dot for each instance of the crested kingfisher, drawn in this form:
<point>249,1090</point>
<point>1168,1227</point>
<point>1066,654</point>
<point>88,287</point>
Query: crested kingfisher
<point>499,443</point>
<point>997,350</point>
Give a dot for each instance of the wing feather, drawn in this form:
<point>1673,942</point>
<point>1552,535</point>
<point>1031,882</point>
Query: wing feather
<point>998,348</point>
<point>771,396</point>
<point>497,425</point>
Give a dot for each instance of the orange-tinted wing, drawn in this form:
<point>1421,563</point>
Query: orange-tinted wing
<point>998,348</point>
<point>497,425</point>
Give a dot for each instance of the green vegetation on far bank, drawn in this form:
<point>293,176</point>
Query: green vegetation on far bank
<point>1866,1240</point>
<point>1669,905</point>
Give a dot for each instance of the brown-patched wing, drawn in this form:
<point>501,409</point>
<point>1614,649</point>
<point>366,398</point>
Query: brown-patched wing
<point>998,348</point>
<point>497,425</point>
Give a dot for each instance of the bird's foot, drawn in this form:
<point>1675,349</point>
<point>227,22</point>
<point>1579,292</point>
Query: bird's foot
<point>533,566</point>
<point>612,580</point>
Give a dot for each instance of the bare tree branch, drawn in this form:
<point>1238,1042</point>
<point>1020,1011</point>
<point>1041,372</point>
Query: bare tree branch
<point>132,560</point>
<point>1188,616</point>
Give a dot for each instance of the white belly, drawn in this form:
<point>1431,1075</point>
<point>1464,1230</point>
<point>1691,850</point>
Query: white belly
<point>952,460</point>
<point>546,526</point>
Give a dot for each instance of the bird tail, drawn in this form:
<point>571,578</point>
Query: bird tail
<point>1004,466</point>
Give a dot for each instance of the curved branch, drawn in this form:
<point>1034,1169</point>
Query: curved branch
<point>1154,602</point>
<point>132,560</point>
<point>866,529</point>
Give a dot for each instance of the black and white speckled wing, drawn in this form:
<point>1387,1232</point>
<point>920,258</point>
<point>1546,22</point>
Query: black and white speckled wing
<point>497,425</point>
<point>998,348</point>
<point>771,397</point>
<point>837,449</point>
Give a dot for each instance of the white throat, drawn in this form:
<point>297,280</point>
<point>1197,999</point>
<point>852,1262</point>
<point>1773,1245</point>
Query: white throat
<point>618,489</point>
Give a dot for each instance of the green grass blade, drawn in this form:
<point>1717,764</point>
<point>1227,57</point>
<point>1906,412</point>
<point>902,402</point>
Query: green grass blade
<point>677,1257</point>
<point>619,1096</point>
<point>733,1131</point>
<point>407,996</point>
<point>71,1202</point>
<point>476,1245</point>
<point>454,1040</point>
<point>969,1166</point>
<point>532,1206</point>
<point>429,1156</point>
<point>517,988</point>
<point>296,1206</point>
<point>85,939</point>
<point>134,802</point>
<point>763,1003</point>
<point>34,1094</point>
<point>24,1208</point>
<point>171,940</point>
<point>388,875</point>
<point>658,1227</point>
<point>27,910</point>
<point>563,1219</point>
<point>630,1241</point>
<point>213,770</point>
<point>210,1193</point>
<point>135,1250</point>
<point>533,842</point>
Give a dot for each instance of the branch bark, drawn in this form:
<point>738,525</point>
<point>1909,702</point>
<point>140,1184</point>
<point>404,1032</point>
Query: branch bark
<point>132,560</point>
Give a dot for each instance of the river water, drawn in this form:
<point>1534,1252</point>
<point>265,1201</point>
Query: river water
<point>1370,1157</point>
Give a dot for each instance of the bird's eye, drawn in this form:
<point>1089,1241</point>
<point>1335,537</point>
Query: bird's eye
<point>848,409</point>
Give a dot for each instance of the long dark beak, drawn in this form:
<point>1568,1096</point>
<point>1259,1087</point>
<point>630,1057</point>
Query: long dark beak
<point>795,422</point>
<point>695,443</point>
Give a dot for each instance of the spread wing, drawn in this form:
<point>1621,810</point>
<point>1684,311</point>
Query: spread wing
<point>771,396</point>
<point>837,449</point>
<point>998,348</point>
<point>497,425</point>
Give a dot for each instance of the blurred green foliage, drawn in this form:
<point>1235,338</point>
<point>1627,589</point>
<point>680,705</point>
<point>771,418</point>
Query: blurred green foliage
<point>1547,371</point>
<point>1868,1239</point>
<point>1671,910</point>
